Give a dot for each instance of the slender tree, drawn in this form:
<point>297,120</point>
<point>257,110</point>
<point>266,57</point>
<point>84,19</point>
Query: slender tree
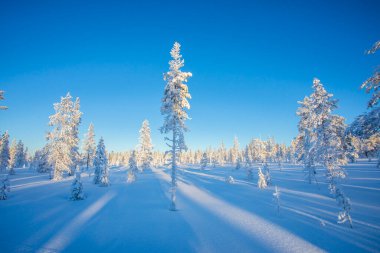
<point>174,105</point>
<point>132,167</point>
<point>145,146</point>
<point>89,146</point>
<point>101,165</point>
<point>4,152</point>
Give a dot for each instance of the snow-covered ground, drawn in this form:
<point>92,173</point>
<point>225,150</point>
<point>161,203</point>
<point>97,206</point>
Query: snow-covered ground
<point>213,216</point>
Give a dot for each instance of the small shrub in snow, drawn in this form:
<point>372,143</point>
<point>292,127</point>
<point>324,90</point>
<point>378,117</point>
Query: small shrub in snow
<point>262,182</point>
<point>230,180</point>
<point>345,203</point>
<point>77,188</point>
<point>276,197</point>
<point>4,188</point>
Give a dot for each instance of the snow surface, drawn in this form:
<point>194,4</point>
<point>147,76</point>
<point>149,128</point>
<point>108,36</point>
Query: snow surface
<point>212,216</point>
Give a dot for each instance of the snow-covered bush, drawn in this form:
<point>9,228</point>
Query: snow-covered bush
<point>262,182</point>
<point>4,188</point>
<point>276,197</point>
<point>77,188</point>
<point>230,180</point>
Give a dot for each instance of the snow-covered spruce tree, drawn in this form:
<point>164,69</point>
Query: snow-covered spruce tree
<point>17,156</point>
<point>222,153</point>
<point>262,182</point>
<point>326,141</point>
<point>77,188</point>
<point>89,147</point>
<point>2,98</point>
<point>174,105</point>
<point>204,161</point>
<point>4,152</point>
<point>234,152</point>
<point>63,139</point>
<point>75,121</point>
<point>313,112</point>
<point>40,161</point>
<point>101,164</point>
<point>132,168</point>
<point>145,146</point>
<point>266,172</point>
<point>4,188</point>
<point>12,157</point>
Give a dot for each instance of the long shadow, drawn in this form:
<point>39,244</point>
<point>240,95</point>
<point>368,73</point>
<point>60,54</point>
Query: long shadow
<point>241,194</point>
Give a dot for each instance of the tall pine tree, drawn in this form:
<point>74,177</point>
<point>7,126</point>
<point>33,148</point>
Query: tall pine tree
<point>174,105</point>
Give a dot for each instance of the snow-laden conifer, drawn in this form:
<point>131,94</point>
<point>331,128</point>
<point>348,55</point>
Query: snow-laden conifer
<point>77,187</point>
<point>63,139</point>
<point>89,147</point>
<point>174,105</point>
<point>145,146</point>
<point>4,152</point>
<point>132,168</point>
<point>101,164</point>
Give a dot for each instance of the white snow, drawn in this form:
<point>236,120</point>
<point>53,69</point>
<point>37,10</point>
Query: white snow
<point>212,216</point>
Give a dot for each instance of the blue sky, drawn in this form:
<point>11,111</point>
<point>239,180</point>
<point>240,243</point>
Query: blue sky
<point>251,62</point>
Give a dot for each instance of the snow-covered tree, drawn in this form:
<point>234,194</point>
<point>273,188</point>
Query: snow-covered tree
<point>234,152</point>
<point>4,152</point>
<point>17,156</point>
<point>313,112</point>
<point>322,138</point>
<point>101,164</point>
<point>40,161</point>
<point>77,188</point>
<point>12,157</point>
<point>132,168</point>
<point>222,153</point>
<point>174,105</point>
<point>204,161</point>
<point>63,139</point>
<point>89,147</point>
<point>4,188</point>
<point>2,98</point>
<point>262,182</point>
<point>266,172</point>
<point>145,146</point>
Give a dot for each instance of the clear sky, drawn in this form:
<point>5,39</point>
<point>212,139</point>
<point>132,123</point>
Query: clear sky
<point>251,62</point>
